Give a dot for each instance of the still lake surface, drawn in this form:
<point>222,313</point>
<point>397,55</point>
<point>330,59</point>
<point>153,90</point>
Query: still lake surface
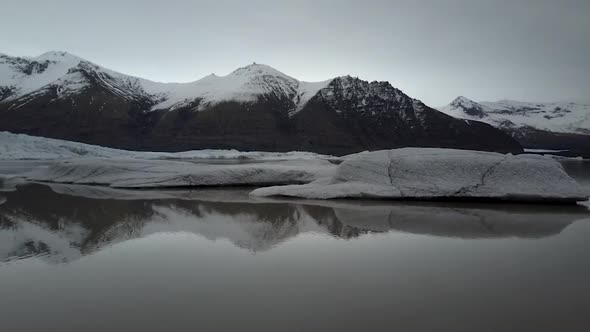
<point>80,258</point>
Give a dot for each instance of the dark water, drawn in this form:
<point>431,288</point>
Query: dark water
<point>75,258</point>
<point>579,170</point>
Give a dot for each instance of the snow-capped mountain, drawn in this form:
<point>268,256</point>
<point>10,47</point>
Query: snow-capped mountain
<point>560,117</point>
<point>560,125</point>
<point>70,74</point>
<point>256,107</point>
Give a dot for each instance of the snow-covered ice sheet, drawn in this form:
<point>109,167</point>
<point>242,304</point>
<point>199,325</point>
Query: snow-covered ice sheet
<point>418,173</point>
<point>137,173</point>
<point>20,146</point>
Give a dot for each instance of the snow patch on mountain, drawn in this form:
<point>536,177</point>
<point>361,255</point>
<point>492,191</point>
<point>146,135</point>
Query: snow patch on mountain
<point>305,92</point>
<point>242,85</point>
<point>25,75</point>
<point>70,84</point>
<point>561,117</point>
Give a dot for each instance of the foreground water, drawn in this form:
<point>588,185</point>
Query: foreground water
<point>77,258</point>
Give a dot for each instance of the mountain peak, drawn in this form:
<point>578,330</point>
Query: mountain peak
<point>257,69</point>
<point>54,54</point>
<point>59,56</point>
<point>464,106</point>
<point>462,100</point>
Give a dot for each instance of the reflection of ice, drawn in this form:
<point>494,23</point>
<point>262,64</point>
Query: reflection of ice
<point>580,171</point>
<point>9,183</point>
<point>464,222</point>
<point>103,192</point>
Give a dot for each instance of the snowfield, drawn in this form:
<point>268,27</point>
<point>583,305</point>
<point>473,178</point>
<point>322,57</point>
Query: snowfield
<point>561,117</point>
<point>422,173</point>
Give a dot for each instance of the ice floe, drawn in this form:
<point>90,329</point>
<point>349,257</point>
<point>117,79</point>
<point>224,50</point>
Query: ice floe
<point>425,173</point>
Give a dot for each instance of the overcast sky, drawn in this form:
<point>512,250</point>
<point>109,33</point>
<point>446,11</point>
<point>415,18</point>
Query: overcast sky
<point>434,50</point>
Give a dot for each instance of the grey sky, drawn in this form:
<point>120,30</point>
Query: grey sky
<point>535,50</point>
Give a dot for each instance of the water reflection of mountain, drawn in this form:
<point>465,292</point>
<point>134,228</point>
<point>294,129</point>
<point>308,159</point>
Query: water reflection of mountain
<point>36,221</point>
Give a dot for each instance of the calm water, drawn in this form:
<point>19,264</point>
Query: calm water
<point>76,258</point>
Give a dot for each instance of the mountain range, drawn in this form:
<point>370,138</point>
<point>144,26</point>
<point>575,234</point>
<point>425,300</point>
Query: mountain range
<point>257,107</point>
<point>557,126</point>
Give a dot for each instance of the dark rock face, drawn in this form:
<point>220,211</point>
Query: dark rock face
<point>378,116</point>
<point>348,115</point>
<point>5,92</point>
<point>94,116</point>
<point>573,145</point>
